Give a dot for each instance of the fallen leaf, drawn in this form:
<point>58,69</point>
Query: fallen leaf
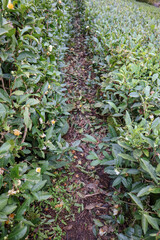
<point>111,229</point>
<point>90,206</point>
<point>101,232</point>
<point>98,222</point>
<point>93,205</point>
<point>116,206</point>
<point>105,229</point>
<point>93,186</point>
<point>11,215</point>
<point>59,205</point>
<point>69,227</point>
<point>115,211</point>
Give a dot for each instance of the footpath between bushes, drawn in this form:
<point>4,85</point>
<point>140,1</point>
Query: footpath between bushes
<point>88,128</point>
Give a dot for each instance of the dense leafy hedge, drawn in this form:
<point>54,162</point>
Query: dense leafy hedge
<point>33,111</point>
<point>154,2</point>
<point>125,42</point>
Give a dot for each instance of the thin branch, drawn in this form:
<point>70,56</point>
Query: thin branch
<point>94,194</point>
<point>28,163</point>
<point>3,84</point>
<point>24,135</point>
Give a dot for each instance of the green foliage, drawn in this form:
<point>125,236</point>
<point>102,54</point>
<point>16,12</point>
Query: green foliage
<point>148,1</point>
<point>46,225</point>
<point>125,44</point>
<point>33,109</point>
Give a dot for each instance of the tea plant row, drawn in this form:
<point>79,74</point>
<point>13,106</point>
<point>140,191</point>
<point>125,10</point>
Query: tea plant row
<point>125,40</point>
<point>33,109</point>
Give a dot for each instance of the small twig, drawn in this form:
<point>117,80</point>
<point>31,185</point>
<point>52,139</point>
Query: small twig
<point>24,135</point>
<point>28,163</point>
<point>94,194</point>
<point>5,170</point>
<point>67,236</point>
<point>3,84</point>
<point>150,181</point>
<point>9,83</point>
<point>12,85</point>
<point>47,26</point>
<point>100,207</point>
<point>158,233</point>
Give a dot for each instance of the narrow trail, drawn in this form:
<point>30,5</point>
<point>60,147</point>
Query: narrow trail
<point>93,182</point>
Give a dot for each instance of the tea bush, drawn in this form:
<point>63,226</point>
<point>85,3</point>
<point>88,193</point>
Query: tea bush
<point>149,1</point>
<point>124,38</point>
<point>33,109</point>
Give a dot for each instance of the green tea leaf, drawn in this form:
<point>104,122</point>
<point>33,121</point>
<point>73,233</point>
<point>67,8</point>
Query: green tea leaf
<point>89,138</point>
<point>5,147</point>
<point>25,29</point>
<point>158,168</point>
<point>155,123</point>
<point>22,209</point>
<point>4,96</point>
<point>3,201</point>
<point>144,224</point>
<point>113,106</point>
<point>65,128</point>
<point>18,93</point>
<point>144,191</point>
<point>136,200</point>
<point>2,111</point>
<point>92,156</point>
<point>128,119</point>
<point>30,37</point>
<point>154,190</point>
<point>150,169</point>
<point>127,157</point>
<point>39,186</point>
<point>3,31</point>
<point>41,196</point>
<point>117,181</point>
<point>27,119</point>
<point>15,172</point>
<point>9,209</point>
<point>137,153</point>
<point>95,163</point>
<point>124,145</point>
<point>155,77</point>
<point>98,223</point>
<point>3,217</point>
<point>49,133</point>
<point>152,221</point>
<point>112,131</point>
<point>32,101</point>
<point>18,232</point>
<point>134,94</point>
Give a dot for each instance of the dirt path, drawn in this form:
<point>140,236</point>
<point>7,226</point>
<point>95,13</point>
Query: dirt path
<point>85,120</point>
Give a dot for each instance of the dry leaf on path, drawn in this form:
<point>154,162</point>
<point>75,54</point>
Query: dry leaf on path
<point>93,205</point>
